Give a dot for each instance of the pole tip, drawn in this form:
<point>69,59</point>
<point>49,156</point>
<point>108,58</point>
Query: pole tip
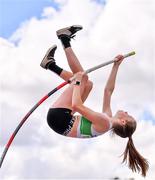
<point>132,53</point>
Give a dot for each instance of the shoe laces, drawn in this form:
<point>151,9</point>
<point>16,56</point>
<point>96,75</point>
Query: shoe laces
<point>73,36</point>
<point>51,58</point>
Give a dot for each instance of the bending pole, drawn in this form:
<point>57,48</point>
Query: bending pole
<point>44,98</point>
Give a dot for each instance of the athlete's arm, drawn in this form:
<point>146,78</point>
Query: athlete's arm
<point>98,119</point>
<point>110,85</point>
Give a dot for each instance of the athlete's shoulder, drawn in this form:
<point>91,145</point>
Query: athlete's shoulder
<point>107,120</point>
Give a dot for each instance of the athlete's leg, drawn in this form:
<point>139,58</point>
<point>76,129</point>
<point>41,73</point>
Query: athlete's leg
<point>73,61</point>
<point>76,67</point>
<point>65,36</point>
<point>48,62</point>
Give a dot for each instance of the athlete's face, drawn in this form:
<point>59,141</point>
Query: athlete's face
<point>123,117</point>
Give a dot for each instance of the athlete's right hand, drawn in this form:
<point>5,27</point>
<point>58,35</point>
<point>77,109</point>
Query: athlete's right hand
<point>118,59</point>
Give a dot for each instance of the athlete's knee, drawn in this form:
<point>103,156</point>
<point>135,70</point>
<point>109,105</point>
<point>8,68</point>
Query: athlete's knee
<point>85,78</point>
<point>89,85</point>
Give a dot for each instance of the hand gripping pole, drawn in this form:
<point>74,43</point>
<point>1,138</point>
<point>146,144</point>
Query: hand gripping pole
<point>43,99</point>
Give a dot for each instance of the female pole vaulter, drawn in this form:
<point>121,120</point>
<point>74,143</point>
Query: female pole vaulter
<point>89,123</point>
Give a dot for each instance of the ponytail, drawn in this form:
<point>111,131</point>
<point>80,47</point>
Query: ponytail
<point>136,162</point>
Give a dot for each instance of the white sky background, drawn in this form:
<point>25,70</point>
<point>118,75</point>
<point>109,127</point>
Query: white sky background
<point>119,27</point>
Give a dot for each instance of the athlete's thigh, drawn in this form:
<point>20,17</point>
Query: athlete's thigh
<point>65,99</point>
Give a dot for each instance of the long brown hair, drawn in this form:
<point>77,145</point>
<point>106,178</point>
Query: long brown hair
<point>136,162</point>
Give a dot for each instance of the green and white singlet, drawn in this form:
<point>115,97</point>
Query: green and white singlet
<point>85,129</point>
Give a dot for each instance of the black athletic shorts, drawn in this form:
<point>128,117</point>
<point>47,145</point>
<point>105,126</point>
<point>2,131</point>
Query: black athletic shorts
<point>60,120</point>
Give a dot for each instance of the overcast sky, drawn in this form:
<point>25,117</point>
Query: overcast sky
<point>110,27</point>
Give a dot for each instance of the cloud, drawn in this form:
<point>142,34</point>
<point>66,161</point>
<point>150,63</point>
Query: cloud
<point>118,27</point>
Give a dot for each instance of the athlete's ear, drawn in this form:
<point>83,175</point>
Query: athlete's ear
<point>123,121</point>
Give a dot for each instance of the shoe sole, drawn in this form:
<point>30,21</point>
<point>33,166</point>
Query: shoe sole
<point>43,64</point>
<point>62,31</point>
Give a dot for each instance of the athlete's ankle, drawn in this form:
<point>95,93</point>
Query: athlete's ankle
<point>65,41</point>
<point>55,68</point>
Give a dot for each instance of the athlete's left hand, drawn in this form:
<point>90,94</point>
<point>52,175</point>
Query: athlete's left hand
<point>79,76</point>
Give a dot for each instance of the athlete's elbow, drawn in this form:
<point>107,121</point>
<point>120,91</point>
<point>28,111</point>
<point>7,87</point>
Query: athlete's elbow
<point>108,91</point>
<point>76,106</point>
